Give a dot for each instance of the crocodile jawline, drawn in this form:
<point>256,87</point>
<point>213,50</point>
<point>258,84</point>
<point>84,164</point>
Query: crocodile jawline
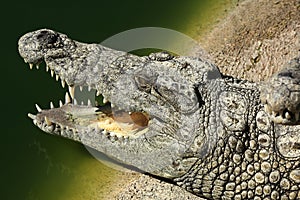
<point>106,118</point>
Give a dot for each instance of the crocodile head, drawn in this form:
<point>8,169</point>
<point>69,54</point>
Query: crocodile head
<point>152,106</point>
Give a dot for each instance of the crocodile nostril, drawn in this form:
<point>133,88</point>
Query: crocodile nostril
<point>47,37</point>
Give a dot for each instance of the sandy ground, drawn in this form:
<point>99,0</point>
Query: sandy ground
<point>252,42</point>
<point>256,39</point>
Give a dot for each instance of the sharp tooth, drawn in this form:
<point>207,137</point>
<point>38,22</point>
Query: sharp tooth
<point>98,93</point>
<point>104,100</point>
<point>268,109</point>
<point>38,108</point>
<point>89,102</point>
<point>56,77</point>
<point>47,68</point>
<point>67,98</point>
<point>48,122</point>
<point>287,115</point>
<point>52,73</point>
<point>60,103</point>
<point>112,134</point>
<point>37,66</point>
<point>25,60</point>
<point>75,102</point>
<point>63,83</point>
<point>30,65</point>
<point>297,116</point>
<point>51,105</point>
<point>72,91</point>
<point>31,116</point>
<point>89,88</point>
<point>81,88</point>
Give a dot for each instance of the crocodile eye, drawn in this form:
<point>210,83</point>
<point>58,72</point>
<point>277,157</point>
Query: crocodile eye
<point>47,37</point>
<point>144,84</point>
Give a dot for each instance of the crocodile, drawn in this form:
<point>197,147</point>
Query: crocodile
<point>177,118</point>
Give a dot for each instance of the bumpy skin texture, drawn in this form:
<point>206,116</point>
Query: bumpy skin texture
<point>206,132</point>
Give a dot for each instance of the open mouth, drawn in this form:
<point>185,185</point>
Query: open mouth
<point>98,114</point>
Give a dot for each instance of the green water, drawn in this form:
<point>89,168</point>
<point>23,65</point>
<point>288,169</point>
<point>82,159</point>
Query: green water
<point>38,166</point>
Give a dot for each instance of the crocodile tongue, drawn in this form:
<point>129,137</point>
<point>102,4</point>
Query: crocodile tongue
<point>122,122</point>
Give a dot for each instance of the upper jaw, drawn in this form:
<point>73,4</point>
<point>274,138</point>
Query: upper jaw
<point>71,84</point>
<point>63,73</point>
<point>30,50</point>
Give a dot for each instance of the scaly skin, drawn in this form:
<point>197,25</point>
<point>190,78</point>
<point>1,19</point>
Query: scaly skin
<point>177,118</point>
